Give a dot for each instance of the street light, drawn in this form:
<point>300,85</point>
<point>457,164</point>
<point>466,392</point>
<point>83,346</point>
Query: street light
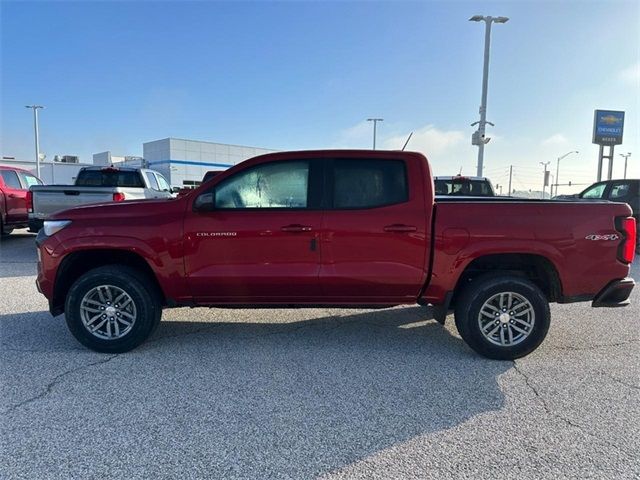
<point>558,167</point>
<point>479,136</point>
<point>375,123</point>
<point>35,128</point>
<point>626,156</point>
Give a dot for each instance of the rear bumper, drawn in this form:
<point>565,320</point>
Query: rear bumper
<point>615,294</point>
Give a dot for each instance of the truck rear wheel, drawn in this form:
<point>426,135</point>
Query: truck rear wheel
<point>502,317</point>
<point>112,309</point>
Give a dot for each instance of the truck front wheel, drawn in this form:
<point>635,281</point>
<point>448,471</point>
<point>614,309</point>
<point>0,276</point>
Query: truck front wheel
<point>112,309</point>
<point>502,317</point>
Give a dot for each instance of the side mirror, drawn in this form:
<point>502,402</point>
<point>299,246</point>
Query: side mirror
<point>173,190</point>
<point>204,202</point>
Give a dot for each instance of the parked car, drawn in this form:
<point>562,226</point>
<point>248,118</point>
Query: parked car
<point>464,186</point>
<point>355,228</point>
<point>96,185</point>
<point>14,188</point>
<point>626,190</point>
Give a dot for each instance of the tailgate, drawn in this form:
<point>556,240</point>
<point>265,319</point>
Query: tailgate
<point>49,200</point>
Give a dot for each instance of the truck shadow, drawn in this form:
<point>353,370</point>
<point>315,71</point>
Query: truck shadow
<point>257,399</point>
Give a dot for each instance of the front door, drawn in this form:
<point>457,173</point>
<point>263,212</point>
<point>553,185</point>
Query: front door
<point>253,238</point>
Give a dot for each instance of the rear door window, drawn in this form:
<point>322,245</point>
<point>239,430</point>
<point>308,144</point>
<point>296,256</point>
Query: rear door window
<point>368,183</point>
<point>619,191</point>
<point>10,179</point>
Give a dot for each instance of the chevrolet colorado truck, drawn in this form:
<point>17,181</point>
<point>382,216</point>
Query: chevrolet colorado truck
<point>95,185</point>
<point>352,228</point>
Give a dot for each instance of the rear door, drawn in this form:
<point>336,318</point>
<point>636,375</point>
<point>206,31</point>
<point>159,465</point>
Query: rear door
<point>253,237</point>
<point>15,195</point>
<point>375,230</point>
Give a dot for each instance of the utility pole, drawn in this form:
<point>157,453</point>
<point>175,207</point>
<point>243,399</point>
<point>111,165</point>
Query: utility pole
<point>626,156</point>
<point>375,124</point>
<point>479,136</point>
<point>546,177</point>
<point>35,128</point>
<point>510,176</point>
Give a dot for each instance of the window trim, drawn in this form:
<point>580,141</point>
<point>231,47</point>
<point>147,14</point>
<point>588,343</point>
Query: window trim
<point>314,189</point>
<point>330,184</point>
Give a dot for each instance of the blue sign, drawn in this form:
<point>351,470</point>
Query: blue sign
<point>608,126</point>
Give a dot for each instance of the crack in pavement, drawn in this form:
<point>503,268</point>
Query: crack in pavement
<point>56,380</point>
<point>565,420</point>
<point>592,347</point>
<point>617,380</point>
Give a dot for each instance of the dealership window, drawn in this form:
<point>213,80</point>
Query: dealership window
<point>270,185</point>
<point>191,184</point>
<point>369,183</point>
<point>28,179</point>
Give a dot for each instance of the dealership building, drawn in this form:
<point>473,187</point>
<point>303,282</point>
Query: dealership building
<point>182,162</point>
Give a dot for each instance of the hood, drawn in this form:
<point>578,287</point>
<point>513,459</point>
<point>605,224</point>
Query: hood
<point>128,209</point>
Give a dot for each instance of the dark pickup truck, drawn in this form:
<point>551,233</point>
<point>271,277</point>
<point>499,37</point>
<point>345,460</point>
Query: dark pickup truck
<point>334,228</point>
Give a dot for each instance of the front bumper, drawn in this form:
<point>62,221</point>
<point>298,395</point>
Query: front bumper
<point>615,294</point>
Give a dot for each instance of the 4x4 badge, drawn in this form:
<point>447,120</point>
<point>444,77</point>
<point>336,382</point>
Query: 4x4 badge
<point>611,236</point>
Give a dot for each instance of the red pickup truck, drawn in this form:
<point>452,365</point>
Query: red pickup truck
<point>334,228</point>
<point>14,197</point>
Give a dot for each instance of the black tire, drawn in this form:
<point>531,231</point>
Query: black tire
<point>5,231</point>
<point>140,289</point>
<point>484,288</point>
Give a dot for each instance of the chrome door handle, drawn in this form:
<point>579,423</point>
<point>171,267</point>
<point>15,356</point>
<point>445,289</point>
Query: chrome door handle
<point>400,228</point>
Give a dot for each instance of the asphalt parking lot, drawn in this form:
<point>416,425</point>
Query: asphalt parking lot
<point>319,393</point>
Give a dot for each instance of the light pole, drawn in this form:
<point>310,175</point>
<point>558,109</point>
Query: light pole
<point>626,156</point>
<point>545,180</point>
<point>558,167</point>
<point>375,124</point>
<point>35,128</point>
<point>479,136</point>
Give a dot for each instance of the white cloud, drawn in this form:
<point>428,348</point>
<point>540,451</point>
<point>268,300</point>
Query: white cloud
<point>429,140</point>
<point>631,74</point>
<point>358,136</point>
<point>557,139</point>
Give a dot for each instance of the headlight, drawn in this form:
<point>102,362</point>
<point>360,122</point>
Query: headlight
<point>52,227</point>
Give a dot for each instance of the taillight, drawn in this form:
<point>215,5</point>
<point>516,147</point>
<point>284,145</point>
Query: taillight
<point>29,199</point>
<point>627,249</point>
<point>118,197</point>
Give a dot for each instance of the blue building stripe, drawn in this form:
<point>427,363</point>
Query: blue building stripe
<point>188,162</point>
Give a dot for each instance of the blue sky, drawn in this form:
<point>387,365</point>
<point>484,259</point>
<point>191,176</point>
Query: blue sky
<point>299,75</point>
